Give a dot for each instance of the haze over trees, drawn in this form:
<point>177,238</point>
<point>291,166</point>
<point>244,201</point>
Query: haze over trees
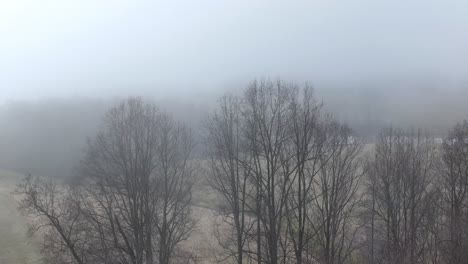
<point>246,132</point>
<point>131,202</point>
<point>46,137</point>
<point>293,185</point>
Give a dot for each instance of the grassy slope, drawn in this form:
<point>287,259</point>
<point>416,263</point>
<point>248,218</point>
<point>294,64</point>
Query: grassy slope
<point>15,246</point>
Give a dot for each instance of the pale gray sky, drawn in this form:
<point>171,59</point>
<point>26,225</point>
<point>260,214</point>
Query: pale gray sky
<point>62,48</point>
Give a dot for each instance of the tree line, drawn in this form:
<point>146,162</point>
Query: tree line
<point>295,186</point>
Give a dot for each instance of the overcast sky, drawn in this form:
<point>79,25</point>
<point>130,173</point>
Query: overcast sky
<point>62,48</point>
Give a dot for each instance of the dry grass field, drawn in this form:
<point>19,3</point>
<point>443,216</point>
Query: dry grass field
<point>15,246</point>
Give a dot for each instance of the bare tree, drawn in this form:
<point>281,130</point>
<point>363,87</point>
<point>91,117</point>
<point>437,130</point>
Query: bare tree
<point>454,195</point>
<point>268,129</point>
<point>119,172</point>
<point>333,217</point>
<point>132,195</point>
<point>227,174</point>
<point>401,193</point>
<point>53,213</point>
<point>174,177</point>
<point>307,143</point>
<point>267,149</point>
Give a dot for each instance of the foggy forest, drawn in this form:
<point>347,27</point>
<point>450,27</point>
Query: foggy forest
<point>268,132</point>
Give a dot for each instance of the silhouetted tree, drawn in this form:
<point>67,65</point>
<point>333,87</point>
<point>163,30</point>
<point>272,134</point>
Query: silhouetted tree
<point>454,196</point>
<point>228,176</point>
<point>333,215</point>
<point>400,197</point>
<point>132,200</point>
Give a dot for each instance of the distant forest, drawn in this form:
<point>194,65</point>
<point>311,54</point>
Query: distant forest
<point>47,136</point>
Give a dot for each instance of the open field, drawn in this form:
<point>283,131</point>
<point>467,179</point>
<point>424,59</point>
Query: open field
<point>15,246</point>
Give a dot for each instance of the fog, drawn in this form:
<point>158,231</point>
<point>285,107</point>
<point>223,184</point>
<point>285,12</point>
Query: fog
<point>47,137</point>
<point>115,48</point>
<point>373,63</point>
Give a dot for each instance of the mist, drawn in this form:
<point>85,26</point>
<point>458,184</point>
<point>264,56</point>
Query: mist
<point>247,131</point>
<point>186,49</point>
<point>47,136</point>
